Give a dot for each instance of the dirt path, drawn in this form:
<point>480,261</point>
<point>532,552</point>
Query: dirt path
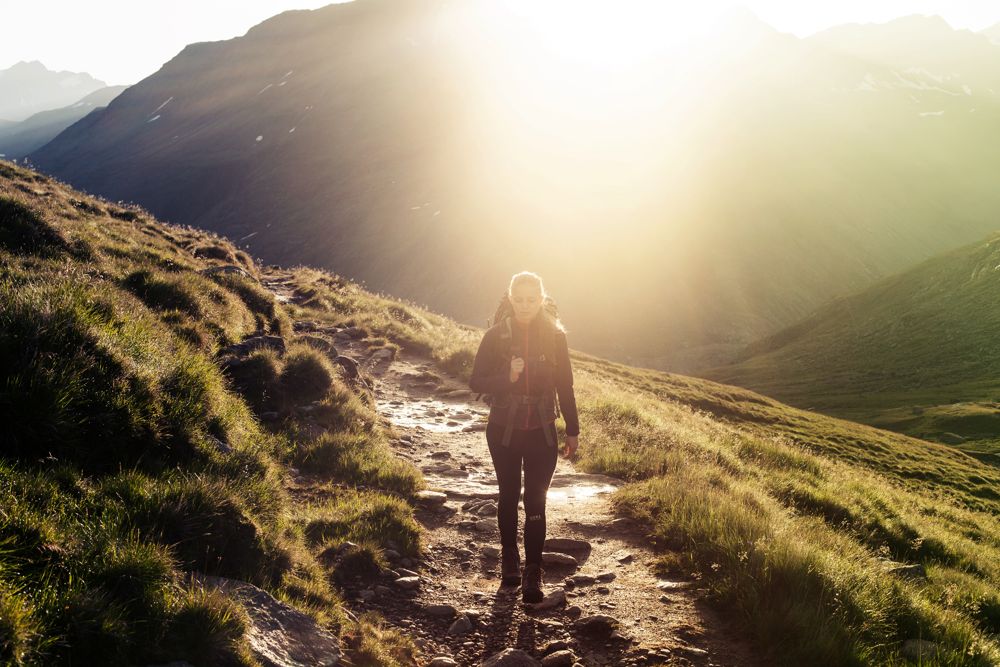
<point>456,607</point>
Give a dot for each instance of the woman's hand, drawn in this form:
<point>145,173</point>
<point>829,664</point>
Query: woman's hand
<point>570,447</point>
<point>516,368</point>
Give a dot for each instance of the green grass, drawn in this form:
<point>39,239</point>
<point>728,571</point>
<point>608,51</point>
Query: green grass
<point>914,353</point>
<point>131,455</point>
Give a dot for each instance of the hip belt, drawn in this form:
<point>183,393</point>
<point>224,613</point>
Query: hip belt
<point>516,401</point>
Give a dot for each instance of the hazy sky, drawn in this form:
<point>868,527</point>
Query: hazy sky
<point>123,41</point>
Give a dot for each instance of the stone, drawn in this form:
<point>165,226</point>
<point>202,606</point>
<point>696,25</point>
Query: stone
<point>403,572</point>
<point>349,365</point>
<point>565,544</point>
<point>583,579</point>
<point>556,558</point>
<point>554,599</point>
<point>624,557</point>
<point>557,645</point>
<point>442,661</point>
<point>574,611</point>
<point>604,590</point>
<point>559,659</point>
<point>391,554</point>
<point>914,571</point>
<point>254,343</point>
<point>443,610</point>
<point>486,525</point>
<point>487,509</point>
<point>510,657</point>
<point>430,498</point>
<point>472,428</point>
<point>606,576</point>
<point>919,650</point>
<point>597,625</point>
<point>462,625</point>
<point>408,583</point>
<point>491,552</point>
<point>384,353</point>
<point>441,455</point>
<point>227,268</point>
<point>367,594</point>
<point>278,634</point>
<point>672,585</point>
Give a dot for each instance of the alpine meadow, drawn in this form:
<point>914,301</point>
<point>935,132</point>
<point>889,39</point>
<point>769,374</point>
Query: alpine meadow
<point>250,415</point>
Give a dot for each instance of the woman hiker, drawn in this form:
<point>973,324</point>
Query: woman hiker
<point>522,364</point>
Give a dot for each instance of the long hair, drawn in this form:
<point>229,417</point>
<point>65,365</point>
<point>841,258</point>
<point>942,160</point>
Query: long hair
<point>549,312</point>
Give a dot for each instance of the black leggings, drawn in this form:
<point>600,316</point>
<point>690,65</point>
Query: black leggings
<point>539,461</point>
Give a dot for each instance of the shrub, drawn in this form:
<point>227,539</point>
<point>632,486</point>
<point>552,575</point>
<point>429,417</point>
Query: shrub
<point>257,379</point>
<point>307,375</point>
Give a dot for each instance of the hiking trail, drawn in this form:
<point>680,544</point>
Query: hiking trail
<point>604,603</point>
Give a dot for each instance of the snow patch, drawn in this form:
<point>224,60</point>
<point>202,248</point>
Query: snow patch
<point>291,130</point>
<point>260,137</point>
<point>169,99</point>
<point>931,113</point>
<point>264,88</point>
<point>282,83</point>
<point>153,118</point>
<point>288,74</point>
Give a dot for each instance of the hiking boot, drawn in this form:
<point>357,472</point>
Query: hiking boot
<point>510,568</point>
<point>531,583</point>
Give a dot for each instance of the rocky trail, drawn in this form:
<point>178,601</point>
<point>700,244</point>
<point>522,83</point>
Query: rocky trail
<point>604,604</point>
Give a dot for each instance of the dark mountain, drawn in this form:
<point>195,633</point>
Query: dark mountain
<point>678,209</point>
<point>27,88</point>
<point>19,139</point>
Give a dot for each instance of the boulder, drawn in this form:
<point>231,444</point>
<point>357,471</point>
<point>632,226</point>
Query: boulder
<point>597,626</point>
<point>278,636</point>
<point>510,657</point>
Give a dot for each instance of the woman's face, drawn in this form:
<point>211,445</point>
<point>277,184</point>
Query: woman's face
<point>527,301</point>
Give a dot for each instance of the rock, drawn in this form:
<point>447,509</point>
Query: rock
<point>391,554</point>
<point>606,576</point>
<point>583,579</point>
<point>443,610</point>
<point>565,544</point>
<point>491,552</point>
<point>554,599</point>
<point>227,268</point>
<point>557,645</point>
<point>486,525</point>
<point>352,332</point>
<point>556,558</point>
<point>597,626</point>
<point>403,572</point>
<point>430,498</point>
<point>408,583</point>
<point>318,343</point>
<point>278,634</point>
<point>624,557</point>
<point>367,594</point>
<point>472,428</point>
<point>559,659</point>
<point>383,591</point>
<point>574,611</point>
<point>914,571</point>
<point>441,455</point>
<point>349,365</point>
<point>919,650</point>
<point>458,393</point>
<point>220,445</point>
<point>461,626</point>
<point>442,661</point>
<point>254,343</point>
<point>510,657</point>
<point>604,590</point>
<point>384,353</point>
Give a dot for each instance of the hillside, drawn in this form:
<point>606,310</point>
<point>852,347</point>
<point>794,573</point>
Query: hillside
<point>29,87</point>
<point>914,353</point>
<point>153,428</point>
<point>19,139</point>
<point>749,182</point>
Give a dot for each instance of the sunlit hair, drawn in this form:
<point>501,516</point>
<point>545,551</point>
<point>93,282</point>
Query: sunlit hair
<point>535,280</point>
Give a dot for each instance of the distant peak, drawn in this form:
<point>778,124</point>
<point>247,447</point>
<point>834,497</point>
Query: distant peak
<point>33,65</point>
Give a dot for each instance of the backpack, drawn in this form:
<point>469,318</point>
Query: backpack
<point>504,313</point>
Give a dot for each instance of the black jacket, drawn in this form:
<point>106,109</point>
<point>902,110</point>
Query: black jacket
<point>547,369</point>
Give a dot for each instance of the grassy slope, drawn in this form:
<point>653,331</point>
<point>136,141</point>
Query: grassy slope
<point>131,452</point>
<point>915,353</point>
<point>789,517</point>
<point>792,518</point>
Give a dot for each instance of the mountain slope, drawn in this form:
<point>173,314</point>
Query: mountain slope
<point>19,139</point>
<point>915,352</point>
<point>683,210</point>
<point>29,87</point>
<point>147,433</point>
